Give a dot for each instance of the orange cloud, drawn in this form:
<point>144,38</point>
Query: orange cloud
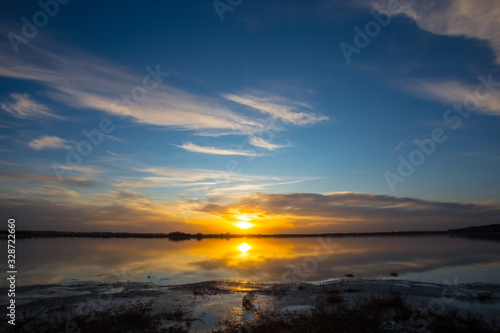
<point>351,212</point>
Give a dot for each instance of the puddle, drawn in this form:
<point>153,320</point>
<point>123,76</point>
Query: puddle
<point>217,310</point>
<point>292,308</point>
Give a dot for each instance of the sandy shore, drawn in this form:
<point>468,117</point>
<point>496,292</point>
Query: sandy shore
<point>213,304</point>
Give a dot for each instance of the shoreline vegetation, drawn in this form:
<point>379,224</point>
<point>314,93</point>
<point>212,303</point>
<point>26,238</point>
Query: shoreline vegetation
<point>491,231</point>
<point>340,306</point>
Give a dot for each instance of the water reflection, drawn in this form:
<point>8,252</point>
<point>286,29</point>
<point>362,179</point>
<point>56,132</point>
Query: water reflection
<point>244,247</point>
<point>431,258</point>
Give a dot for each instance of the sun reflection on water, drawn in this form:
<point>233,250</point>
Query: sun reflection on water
<point>258,259</point>
<point>244,247</point>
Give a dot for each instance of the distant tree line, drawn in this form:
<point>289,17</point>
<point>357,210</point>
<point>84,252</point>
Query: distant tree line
<point>491,228</point>
<point>179,236</point>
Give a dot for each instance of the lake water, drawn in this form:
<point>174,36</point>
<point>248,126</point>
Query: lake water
<point>424,258</point>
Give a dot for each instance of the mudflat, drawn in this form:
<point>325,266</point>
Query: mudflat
<point>228,305</point>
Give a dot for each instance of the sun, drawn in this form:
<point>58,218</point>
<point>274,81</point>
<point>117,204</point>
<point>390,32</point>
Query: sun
<point>244,247</point>
<point>244,225</point>
<point>244,221</point>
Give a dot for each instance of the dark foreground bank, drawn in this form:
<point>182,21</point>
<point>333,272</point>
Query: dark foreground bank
<point>240,306</point>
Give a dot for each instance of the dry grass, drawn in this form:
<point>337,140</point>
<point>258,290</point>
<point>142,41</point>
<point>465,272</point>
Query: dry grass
<point>377,314</point>
<point>247,301</point>
<point>135,318</point>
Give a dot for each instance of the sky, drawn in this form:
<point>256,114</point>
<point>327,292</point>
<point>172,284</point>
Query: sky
<point>250,116</point>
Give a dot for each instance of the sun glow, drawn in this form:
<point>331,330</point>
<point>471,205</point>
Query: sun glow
<point>244,225</point>
<point>244,220</point>
<point>244,247</point>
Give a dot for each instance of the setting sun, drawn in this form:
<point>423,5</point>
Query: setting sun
<point>244,225</point>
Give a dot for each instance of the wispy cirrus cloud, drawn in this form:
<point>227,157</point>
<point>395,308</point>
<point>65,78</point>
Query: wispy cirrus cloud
<point>184,177</point>
<point>180,174</point>
<point>24,106</point>
<point>51,192</point>
<point>457,92</point>
<point>196,175</point>
<point>475,19</point>
<point>44,179</point>
<point>239,190</point>
<point>261,143</point>
<point>88,169</point>
<point>205,184</point>
<point>452,18</point>
<point>217,151</point>
<point>83,81</point>
<point>278,108</point>
<point>8,163</point>
<point>48,142</point>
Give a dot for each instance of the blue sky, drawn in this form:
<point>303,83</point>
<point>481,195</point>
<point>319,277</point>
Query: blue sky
<point>308,111</point>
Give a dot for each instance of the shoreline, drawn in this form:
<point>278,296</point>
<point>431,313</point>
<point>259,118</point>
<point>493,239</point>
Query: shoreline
<point>179,236</point>
<point>211,305</point>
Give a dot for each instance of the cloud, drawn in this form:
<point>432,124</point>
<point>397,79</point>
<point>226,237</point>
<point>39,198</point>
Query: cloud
<point>196,175</point>
<point>261,143</point>
<point>59,208</point>
<point>89,169</point>
<point>114,212</point>
<point>82,81</point>
<point>7,163</point>
<point>48,142</point>
<point>360,212</point>
<point>23,106</point>
<point>52,207</point>
<point>452,18</point>
<point>17,177</point>
<point>217,151</point>
<point>278,108</point>
<point>50,192</point>
<point>177,177</point>
<point>129,195</point>
<point>239,190</point>
<point>474,19</point>
<point>204,184</point>
<point>456,92</point>
<point>59,193</point>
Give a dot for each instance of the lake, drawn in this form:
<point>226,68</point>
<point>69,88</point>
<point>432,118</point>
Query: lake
<point>162,261</point>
